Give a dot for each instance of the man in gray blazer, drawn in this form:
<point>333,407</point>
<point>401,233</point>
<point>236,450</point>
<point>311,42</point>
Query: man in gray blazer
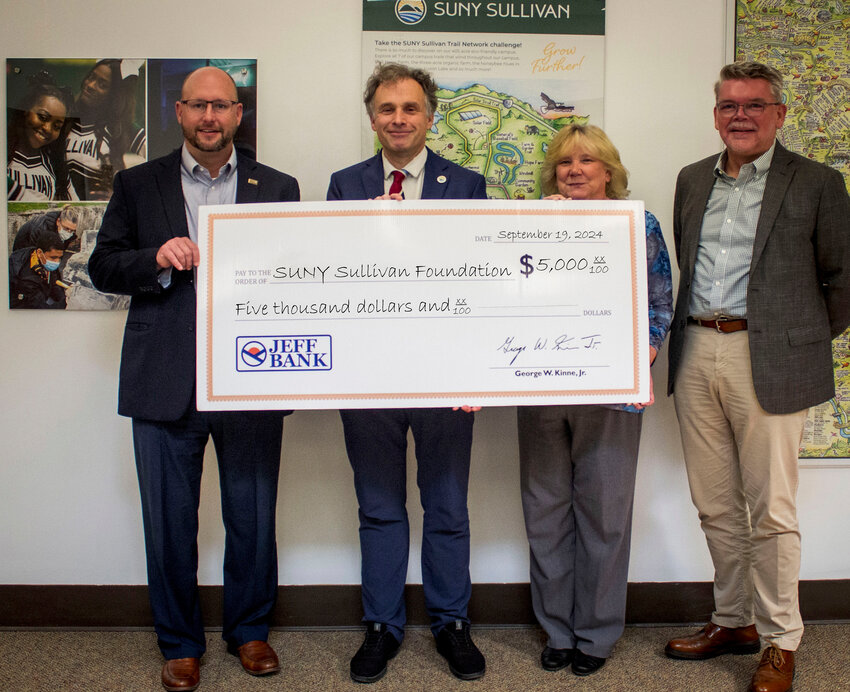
<point>763,244</point>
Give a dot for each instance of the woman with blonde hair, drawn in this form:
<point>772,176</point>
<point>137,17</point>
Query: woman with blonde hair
<point>578,463</point>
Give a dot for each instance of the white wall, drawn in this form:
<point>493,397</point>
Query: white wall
<point>69,508</point>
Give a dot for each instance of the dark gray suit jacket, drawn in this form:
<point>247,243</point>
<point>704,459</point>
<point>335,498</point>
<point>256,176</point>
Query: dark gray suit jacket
<point>157,380</point>
<point>798,298</point>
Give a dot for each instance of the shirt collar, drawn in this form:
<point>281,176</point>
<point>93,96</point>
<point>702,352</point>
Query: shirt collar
<point>413,169</point>
<point>761,164</point>
<point>193,169</point>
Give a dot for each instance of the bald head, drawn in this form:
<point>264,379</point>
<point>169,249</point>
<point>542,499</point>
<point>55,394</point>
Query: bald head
<point>209,115</point>
<point>209,78</point>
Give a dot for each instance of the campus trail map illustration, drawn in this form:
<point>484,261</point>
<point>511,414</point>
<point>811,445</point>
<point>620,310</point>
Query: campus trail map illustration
<point>807,42</point>
<point>499,136</point>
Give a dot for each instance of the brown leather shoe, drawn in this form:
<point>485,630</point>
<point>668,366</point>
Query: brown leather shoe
<point>775,672</point>
<point>714,640</point>
<point>258,658</point>
<point>181,674</point>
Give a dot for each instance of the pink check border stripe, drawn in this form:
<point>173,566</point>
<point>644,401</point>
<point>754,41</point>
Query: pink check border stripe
<point>412,396</point>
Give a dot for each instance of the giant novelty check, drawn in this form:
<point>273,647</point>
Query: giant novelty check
<point>433,303</point>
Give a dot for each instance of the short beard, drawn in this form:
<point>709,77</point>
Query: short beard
<point>222,142</point>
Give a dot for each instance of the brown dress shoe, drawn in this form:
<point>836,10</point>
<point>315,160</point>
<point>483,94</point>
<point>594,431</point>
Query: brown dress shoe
<point>258,658</point>
<point>181,674</point>
<point>714,640</point>
<point>775,672</point>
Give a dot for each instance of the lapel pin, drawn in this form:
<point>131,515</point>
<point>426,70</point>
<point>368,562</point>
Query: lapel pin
<point>441,179</point>
<point>251,181</point>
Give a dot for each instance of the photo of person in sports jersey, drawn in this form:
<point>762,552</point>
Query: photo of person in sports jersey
<point>37,132</point>
<point>105,135</point>
<point>88,119</point>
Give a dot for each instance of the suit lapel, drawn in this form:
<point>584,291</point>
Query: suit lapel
<point>372,177</point>
<point>703,185</point>
<point>435,168</point>
<point>171,193</point>
<point>778,178</point>
<point>247,182</point>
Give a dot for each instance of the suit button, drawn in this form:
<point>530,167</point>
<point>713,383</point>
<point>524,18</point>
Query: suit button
<point>191,329</point>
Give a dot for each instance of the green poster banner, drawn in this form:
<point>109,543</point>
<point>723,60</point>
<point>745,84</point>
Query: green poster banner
<point>578,17</point>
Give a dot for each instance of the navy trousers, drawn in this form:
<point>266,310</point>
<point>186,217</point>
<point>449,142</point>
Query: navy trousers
<point>169,461</point>
<point>376,441</point>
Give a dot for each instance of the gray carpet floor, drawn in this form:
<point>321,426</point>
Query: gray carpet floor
<point>318,661</point>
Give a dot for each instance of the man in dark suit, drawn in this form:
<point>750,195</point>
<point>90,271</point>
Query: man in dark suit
<point>763,244</point>
<point>147,248</point>
<point>401,102</point>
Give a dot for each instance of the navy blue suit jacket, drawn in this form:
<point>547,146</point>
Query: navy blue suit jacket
<point>443,180</point>
<point>157,379</point>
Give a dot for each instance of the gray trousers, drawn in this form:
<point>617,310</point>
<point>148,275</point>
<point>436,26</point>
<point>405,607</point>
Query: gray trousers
<point>578,466</point>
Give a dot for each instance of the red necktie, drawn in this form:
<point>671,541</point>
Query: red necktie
<point>395,188</point>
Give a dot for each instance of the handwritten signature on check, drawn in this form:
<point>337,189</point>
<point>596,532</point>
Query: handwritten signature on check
<point>514,347</point>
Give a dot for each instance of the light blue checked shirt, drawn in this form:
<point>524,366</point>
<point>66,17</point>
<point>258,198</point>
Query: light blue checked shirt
<point>200,188</point>
<point>722,270</point>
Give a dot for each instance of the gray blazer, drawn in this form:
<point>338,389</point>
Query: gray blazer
<point>797,299</point>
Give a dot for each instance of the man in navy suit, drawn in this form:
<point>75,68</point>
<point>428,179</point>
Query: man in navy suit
<point>147,248</point>
<point>401,102</point>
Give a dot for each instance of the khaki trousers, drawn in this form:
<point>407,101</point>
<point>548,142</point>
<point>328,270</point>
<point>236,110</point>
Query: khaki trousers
<point>743,474</point>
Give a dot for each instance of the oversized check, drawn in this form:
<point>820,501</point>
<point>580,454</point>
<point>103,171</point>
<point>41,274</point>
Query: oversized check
<point>434,303</point>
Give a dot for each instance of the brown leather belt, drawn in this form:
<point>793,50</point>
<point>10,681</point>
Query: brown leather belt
<point>722,325</point>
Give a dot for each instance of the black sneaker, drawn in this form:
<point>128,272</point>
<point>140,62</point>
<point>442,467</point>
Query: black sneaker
<point>456,646</point>
<point>370,662</point>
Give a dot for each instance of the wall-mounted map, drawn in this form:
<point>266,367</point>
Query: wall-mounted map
<point>807,42</point>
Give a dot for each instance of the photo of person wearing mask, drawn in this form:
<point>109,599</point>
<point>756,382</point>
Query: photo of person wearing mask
<point>34,277</point>
<point>64,221</point>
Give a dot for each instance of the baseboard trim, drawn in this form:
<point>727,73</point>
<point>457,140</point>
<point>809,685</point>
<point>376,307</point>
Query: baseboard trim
<point>74,606</point>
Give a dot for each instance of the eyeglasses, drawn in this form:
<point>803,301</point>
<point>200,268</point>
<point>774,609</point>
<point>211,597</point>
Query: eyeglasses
<point>753,109</point>
<point>199,106</point>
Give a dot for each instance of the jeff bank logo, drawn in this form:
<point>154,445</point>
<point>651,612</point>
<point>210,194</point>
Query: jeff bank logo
<point>283,353</point>
<point>410,11</point>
